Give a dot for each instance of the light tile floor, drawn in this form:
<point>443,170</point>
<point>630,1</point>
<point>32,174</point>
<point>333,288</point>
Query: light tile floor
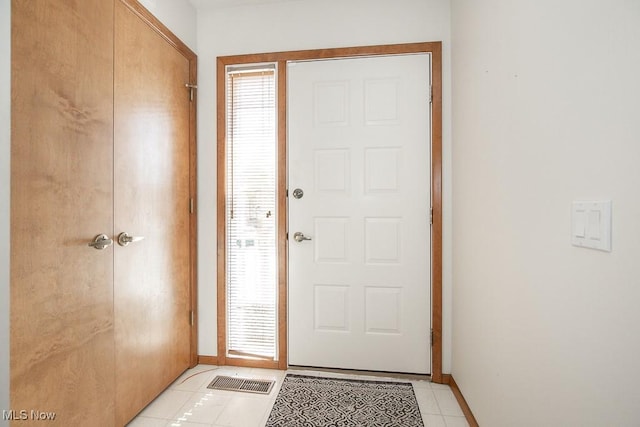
<point>189,403</point>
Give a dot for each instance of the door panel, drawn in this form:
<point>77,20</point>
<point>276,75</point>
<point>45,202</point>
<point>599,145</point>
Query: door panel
<point>62,355</point>
<point>151,146</point>
<point>359,148</point>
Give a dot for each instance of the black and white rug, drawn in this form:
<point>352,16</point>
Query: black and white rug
<point>324,402</point>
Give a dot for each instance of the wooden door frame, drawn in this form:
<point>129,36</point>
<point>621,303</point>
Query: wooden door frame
<point>281,59</point>
<point>184,50</point>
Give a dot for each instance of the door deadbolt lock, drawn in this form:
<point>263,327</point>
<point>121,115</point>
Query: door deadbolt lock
<point>298,193</point>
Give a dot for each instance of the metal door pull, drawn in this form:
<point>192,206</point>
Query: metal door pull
<point>124,239</point>
<point>299,237</point>
<point>101,241</point>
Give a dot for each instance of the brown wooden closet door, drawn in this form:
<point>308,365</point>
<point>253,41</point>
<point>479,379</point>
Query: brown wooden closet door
<point>152,322</point>
<point>62,355</point>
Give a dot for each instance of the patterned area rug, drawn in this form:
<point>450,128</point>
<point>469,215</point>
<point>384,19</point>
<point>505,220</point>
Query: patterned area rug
<point>322,402</point>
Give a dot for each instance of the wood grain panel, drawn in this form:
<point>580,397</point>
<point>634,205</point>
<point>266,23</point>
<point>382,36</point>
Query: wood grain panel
<point>208,360</point>
<point>283,349</point>
<point>174,41</point>
<point>153,189</point>
<point>193,191</point>
<point>341,52</point>
<point>62,354</point>
<point>436,204</point>
<point>221,168</point>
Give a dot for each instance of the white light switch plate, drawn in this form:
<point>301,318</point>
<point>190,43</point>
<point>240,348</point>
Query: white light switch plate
<point>591,224</point>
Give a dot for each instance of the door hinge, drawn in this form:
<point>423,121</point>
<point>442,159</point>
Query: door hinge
<point>191,205</point>
<point>431,338</point>
<point>430,94</point>
<point>191,317</point>
<point>431,217</point>
<point>191,87</point>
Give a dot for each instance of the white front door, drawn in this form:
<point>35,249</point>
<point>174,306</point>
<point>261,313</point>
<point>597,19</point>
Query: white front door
<point>359,150</point>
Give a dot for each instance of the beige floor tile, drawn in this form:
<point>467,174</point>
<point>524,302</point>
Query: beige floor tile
<point>448,403</point>
<point>167,404</point>
<point>202,408</point>
<point>427,401</point>
<point>147,422</point>
<point>244,412</point>
<point>456,421</point>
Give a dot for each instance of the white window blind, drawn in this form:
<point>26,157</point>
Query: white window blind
<point>251,212</point>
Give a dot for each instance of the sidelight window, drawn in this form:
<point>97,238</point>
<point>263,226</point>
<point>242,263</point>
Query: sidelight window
<point>251,165</point>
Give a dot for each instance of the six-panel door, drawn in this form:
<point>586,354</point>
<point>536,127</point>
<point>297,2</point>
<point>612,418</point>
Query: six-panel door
<point>359,149</point>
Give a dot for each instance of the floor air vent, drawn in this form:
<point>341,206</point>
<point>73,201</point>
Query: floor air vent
<point>241,384</point>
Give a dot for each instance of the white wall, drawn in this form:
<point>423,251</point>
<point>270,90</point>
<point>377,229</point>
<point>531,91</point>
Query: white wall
<point>546,110</point>
<point>5,138</point>
<point>178,15</point>
<point>295,25</point>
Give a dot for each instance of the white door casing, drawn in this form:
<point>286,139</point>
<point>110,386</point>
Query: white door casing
<point>359,148</point>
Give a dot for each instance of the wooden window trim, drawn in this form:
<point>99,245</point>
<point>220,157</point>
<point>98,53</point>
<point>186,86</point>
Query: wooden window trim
<point>281,58</point>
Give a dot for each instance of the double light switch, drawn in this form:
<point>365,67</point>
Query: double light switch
<point>591,225</point>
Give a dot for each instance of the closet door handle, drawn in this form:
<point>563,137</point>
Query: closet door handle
<point>101,241</point>
<point>124,239</point>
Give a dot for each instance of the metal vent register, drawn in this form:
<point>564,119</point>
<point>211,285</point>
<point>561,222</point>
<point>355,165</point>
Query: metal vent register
<point>241,384</point>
